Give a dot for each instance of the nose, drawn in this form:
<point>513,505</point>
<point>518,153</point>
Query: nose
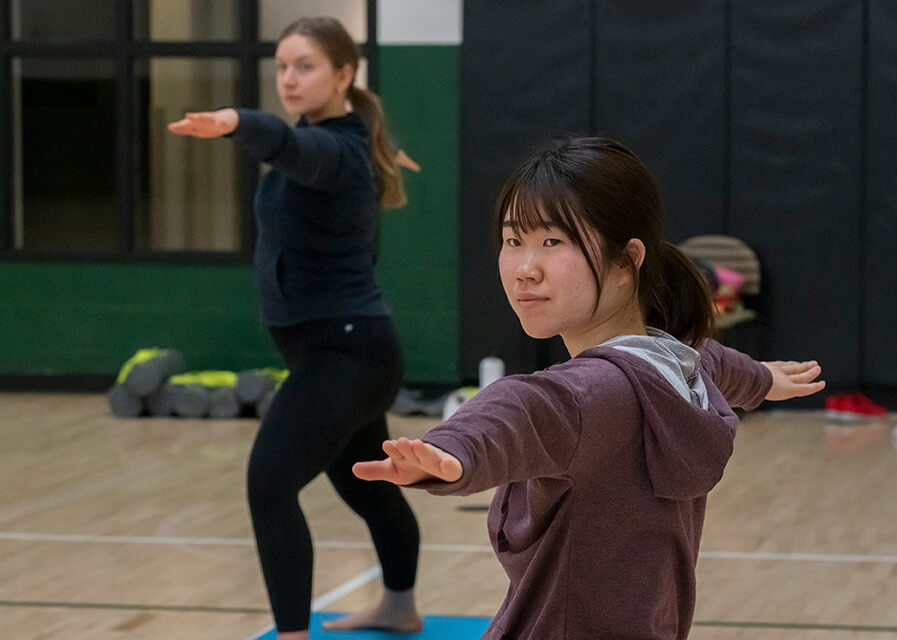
<point>529,268</point>
<point>288,77</point>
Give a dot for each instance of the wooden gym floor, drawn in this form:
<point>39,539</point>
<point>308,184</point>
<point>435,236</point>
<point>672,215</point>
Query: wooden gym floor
<point>114,528</point>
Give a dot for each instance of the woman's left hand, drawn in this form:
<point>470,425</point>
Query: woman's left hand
<point>403,160</point>
<point>206,124</point>
<point>793,379</point>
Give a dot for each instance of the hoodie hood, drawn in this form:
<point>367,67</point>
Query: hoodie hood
<point>674,360</point>
<point>689,429</point>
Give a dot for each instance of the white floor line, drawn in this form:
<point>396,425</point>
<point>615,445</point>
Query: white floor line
<point>163,540</point>
<point>258,635</point>
<point>345,588</point>
<point>225,542</point>
<point>333,595</point>
<point>849,558</point>
<point>854,558</point>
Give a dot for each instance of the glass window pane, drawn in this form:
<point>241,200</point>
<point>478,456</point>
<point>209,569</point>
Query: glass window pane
<point>186,20</point>
<point>189,186</point>
<point>274,15</point>
<point>268,99</point>
<point>64,113</point>
<point>51,21</point>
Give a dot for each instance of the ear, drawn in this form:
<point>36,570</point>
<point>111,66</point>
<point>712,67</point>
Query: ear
<point>345,77</point>
<point>635,252</point>
<point>635,249</point>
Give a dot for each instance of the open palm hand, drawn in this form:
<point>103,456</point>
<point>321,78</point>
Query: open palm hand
<point>410,461</point>
<point>207,124</point>
<point>793,379</point>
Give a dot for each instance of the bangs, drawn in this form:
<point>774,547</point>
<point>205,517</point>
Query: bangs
<point>539,195</point>
<point>537,198</point>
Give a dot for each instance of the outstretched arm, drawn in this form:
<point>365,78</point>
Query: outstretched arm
<point>517,428</point>
<point>745,382</point>
<point>409,462</point>
<point>312,156</point>
<point>206,124</point>
<point>793,379</point>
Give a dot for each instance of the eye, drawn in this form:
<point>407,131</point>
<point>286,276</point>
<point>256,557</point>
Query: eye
<point>552,242</point>
<point>307,67</point>
<point>281,67</point>
<point>512,242</point>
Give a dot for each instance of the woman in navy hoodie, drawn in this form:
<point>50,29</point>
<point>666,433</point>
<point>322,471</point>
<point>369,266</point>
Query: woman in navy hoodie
<point>602,463</point>
<point>316,213</point>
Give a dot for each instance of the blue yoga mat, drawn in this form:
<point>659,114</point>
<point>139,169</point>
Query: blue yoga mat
<point>435,628</point>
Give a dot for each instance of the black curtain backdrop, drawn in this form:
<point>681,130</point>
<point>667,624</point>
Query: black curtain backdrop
<point>526,75</point>
<point>878,254</point>
<point>795,196</point>
<point>773,122</point>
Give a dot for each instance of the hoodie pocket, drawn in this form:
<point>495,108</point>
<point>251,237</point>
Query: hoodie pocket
<point>279,275</point>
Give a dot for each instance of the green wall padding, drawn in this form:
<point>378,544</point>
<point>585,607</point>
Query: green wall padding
<point>420,255</point>
<point>75,318</point>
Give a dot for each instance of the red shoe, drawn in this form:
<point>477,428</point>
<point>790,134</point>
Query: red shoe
<point>854,406</point>
<point>866,407</point>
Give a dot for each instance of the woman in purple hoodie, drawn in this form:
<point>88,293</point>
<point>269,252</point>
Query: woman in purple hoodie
<point>602,463</point>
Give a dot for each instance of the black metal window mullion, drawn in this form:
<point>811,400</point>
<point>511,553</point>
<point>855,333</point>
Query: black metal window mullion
<point>249,96</point>
<point>370,50</point>
<point>125,191</point>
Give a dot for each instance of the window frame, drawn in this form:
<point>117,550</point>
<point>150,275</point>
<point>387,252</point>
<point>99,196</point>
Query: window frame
<point>124,50</point>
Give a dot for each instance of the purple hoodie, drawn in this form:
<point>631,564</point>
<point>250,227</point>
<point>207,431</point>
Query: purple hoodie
<point>602,469</point>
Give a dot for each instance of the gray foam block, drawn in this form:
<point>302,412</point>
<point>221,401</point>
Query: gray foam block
<point>125,403</point>
<point>224,403</point>
<point>191,400</point>
<point>161,401</point>
<point>261,407</point>
<point>252,384</point>
<point>146,377</point>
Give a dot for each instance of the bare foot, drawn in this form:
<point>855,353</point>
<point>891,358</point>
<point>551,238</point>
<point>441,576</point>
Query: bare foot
<point>375,619</point>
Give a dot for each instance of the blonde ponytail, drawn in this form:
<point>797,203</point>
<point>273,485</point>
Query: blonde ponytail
<point>367,105</point>
<point>341,50</point>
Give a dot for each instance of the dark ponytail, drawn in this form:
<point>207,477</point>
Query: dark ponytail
<point>341,50</point>
<point>677,299</point>
<point>601,196</point>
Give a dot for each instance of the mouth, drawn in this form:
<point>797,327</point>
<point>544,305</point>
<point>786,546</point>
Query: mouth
<point>528,300</point>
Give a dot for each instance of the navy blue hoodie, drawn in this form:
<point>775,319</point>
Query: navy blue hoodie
<point>316,213</point>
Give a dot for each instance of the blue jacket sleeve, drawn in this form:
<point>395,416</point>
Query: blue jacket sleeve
<point>312,156</point>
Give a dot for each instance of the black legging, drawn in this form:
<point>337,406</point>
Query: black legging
<point>329,414</point>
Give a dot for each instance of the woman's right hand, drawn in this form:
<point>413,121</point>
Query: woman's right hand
<point>409,462</point>
<point>206,124</point>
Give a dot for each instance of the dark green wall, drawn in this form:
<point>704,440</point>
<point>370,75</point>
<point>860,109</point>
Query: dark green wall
<point>419,266</point>
<point>67,318</point>
<point>70,318</point>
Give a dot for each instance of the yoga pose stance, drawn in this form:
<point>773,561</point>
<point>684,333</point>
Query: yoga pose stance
<point>602,463</point>
<point>316,214</point>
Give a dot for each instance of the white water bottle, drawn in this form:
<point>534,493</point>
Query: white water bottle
<point>491,369</point>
